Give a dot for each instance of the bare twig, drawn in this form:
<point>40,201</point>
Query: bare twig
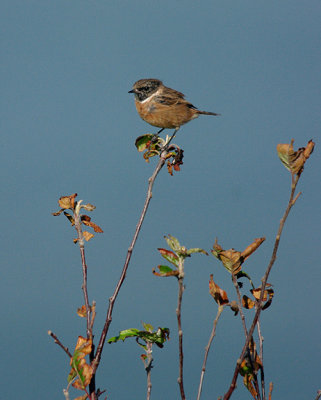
<point>318,395</point>
<point>112,299</point>
<point>148,368</point>
<point>81,243</point>
<point>261,340</point>
<point>264,281</point>
<point>180,337</point>
<point>239,303</point>
<point>58,342</point>
<point>271,390</point>
<point>207,348</point>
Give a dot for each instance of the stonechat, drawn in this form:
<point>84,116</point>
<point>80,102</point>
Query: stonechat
<point>162,106</point>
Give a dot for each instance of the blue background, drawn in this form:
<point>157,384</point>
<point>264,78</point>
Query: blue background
<point>68,125</point>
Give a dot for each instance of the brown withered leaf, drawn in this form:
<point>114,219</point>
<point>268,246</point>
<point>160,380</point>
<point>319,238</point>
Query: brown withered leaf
<point>87,235</point>
<point>267,296</point>
<point>250,367</point>
<point>169,167</point>
<point>79,367</point>
<point>70,218</point>
<point>217,293</point>
<point>82,311</point>
<point>88,207</point>
<point>231,259</point>
<point>247,302</point>
<point>252,247</point>
<point>86,220</point>
<point>66,202</point>
<point>55,214</point>
<point>294,160</point>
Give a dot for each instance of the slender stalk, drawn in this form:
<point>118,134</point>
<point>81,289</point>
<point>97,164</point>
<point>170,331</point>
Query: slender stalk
<point>90,321</point>
<point>58,342</point>
<point>148,369</point>
<point>239,303</point>
<point>207,349</point>
<point>180,337</point>
<point>112,299</point>
<point>291,203</point>
<point>81,244</point>
<point>261,340</point>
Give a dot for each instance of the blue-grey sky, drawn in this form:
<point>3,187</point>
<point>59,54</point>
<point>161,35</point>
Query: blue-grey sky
<point>68,125</point>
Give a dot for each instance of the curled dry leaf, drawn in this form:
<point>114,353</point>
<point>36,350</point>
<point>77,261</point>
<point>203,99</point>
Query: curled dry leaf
<point>247,302</point>
<point>294,160</point>
<point>82,311</point>
<point>252,247</point>
<point>217,293</point>
<point>66,202</point>
<point>232,259</point>
<point>87,235</point>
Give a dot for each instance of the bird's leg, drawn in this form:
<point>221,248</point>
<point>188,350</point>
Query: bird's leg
<point>172,137</point>
<point>155,136</point>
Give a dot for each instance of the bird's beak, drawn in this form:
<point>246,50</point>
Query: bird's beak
<point>132,91</point>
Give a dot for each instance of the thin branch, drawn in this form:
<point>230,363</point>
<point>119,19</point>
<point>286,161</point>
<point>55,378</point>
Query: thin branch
<point>239,303</point>
<point>81,243</point>
<point>207,349</point>
<point>180,336</point>
<point>264,281</point>
<point>318,395</point>
<point>261,340</point>
<point>112,299</point>
<point>58,342</point>
<point>148,368</point>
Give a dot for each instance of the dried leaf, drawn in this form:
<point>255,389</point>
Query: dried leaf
<point>87,235</point>
<point>82,311</point>
<point>55,214</point>
<point>67,202</point>
<point>294,160</point>
<point>79,368</point>
<point>267,296</point>
<point>252,247</point>
<point>94,226</point>
<point>247,302</point>
<point>88,207</point>
<point>217,293</point>
<point>232,259</point>
<point>250,367</point>
<point>69,217</point>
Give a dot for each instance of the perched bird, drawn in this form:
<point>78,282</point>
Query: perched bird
<point>162,106</point>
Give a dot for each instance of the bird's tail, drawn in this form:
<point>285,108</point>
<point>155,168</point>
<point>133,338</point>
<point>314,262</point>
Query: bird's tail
<point>206,113</point>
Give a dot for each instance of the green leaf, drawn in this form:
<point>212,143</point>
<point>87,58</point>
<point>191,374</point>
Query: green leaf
<point>165,271</point>
<point>148,327</point>
<point>173,243</point>
<point>196,250</point>
<point>169,256</point>
<point>124,335</point>
<point>142,142</point>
